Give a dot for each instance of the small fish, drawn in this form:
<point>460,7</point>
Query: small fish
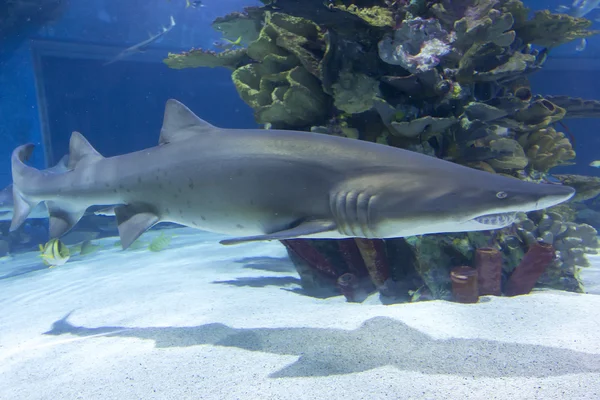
<point>142,46</point>
<point>227,44</point>
<point>160,243</point>
<point>193,4</point>
<point>88,247</point>
<point>582,45</point>
<point>595,164</point>
<point>54,253</point>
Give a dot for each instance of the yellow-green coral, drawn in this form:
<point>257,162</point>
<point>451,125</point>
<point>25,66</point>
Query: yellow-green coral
<point>236,25</point>
<point>290,98</point>
<point>375,16</point>
<point>551,30</point>
<point>354,92</point>
<point>201,58</point>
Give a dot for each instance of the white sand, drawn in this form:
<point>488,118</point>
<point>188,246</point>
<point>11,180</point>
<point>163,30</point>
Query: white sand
<point>204,321</point>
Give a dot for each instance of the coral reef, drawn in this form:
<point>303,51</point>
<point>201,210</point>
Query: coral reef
<point>446,78</point>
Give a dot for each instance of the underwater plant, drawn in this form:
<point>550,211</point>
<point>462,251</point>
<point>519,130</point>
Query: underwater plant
<point>445,78</point>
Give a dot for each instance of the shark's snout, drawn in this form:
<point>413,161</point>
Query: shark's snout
<point>552,195</point>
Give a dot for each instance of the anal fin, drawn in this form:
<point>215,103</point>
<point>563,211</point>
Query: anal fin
<point>303,229</point>
<point>62,218</point>
<point>133,220</point>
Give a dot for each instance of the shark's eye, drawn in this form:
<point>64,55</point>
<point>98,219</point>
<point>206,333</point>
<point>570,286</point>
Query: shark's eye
<point>501,195</point>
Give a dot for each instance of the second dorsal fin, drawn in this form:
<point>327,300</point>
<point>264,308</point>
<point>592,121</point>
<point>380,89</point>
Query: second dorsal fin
<point>81,151</point>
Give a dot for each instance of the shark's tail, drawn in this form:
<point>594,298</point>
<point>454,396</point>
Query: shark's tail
<point>21,174</point>
<point>62,215</point>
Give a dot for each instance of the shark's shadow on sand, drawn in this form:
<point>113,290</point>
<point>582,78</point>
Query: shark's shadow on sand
<point>378,342</point>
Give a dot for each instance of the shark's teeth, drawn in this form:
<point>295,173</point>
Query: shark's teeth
<point>503,219</point>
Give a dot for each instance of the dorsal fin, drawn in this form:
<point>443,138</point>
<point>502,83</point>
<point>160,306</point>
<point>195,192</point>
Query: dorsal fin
<point>81,151</point>
<point>181,123</point>
<point>61,166</point>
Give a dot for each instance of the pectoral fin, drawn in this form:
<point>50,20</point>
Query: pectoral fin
<point>306,228</point>
<point>133,220</point>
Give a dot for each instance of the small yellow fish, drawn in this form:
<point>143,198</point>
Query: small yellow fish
<point>88,247</point>
<point>236,42</point>
<point>160,243</point>
<point>595,164</point>
<point>54,253</point>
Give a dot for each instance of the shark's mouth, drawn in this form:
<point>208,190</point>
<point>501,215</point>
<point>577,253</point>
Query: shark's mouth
<point>502,219</point>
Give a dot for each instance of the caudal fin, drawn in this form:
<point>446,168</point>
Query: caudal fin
<point>21,173</point>
<point>63,215</point>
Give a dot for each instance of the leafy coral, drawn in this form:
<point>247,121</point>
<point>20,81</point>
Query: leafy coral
<point>231,59</point>
<point>551,30</point>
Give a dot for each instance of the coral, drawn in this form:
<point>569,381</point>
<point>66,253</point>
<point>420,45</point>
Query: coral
<point>290,98</point>
<point>245,25</point>
<point>373,254</point>
<point>483,112</point>
<point>508,155</point>
<point>432,262</point>
<point>464,284</point>
<point>195,58</point>
<point>577,107</point>
<point>571,241</point>
<point>421,125</point>
<point>517,64</point>
<point>521,89</point>
<point>349,285</point>
<point>547,148</point>
<point>532,266</point>
<point>551,30</point>
<point>352,257</point>
<point>417,45</point>
<point>488,263</point>
<point>483,24</point>
<point>374,16</point>
<point>311,255</point>
<point>539,114</point>
<point>355,93</point>
<point>586,187</point>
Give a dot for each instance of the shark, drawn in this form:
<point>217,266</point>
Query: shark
<point>580,8</point>
<point>141,47</point>
<point>269,184</point>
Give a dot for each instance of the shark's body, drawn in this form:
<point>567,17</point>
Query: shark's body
<point>140,47</point>
<point>272,184</point>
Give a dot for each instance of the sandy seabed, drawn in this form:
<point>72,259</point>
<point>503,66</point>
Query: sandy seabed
<point>204,321</point>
